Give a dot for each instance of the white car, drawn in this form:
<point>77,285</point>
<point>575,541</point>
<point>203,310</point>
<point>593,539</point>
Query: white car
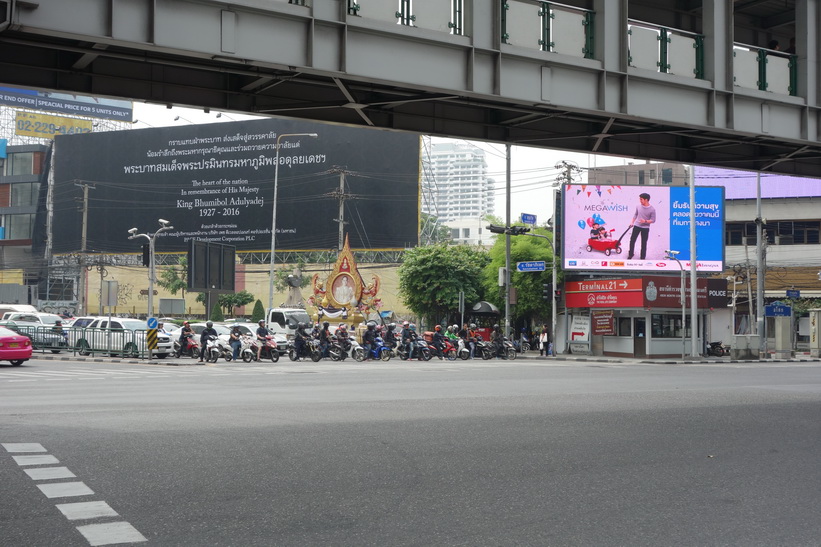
<point>120,336</point>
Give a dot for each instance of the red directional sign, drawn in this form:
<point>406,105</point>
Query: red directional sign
<point>604,293</point>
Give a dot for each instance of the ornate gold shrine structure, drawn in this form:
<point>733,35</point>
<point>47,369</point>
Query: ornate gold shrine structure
<point>344,296</point>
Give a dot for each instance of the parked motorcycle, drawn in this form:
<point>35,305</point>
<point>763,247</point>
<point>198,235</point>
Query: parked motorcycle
<point>213,351</point>
<point>508,350</point>
<point>484,348</point>
<point>310,350</point>
<point>378,351</point>
<point>462,350</point>
<point>190,348</point>
<point>269,350</point>
<point>717,349</point>
<point>448,350</point>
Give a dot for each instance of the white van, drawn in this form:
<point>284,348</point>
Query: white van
<point>285,320</point>
<point>8,309</point>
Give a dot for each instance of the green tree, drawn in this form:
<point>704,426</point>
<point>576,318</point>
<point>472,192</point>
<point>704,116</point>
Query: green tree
<point>284,276</point>
<point>430,278</point>
<point>433,231</point>
<point>175,278</point>
<point>259,312</point>
<point>529,285</point>
<point>216,313</point>
<point>234,300</point>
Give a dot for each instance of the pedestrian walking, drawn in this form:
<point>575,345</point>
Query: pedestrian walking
<point>544,341</point>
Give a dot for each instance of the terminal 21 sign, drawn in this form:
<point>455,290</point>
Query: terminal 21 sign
<point>649,291</point>
<point>631,228</point>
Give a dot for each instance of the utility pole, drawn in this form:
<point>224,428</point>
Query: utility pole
<point>760,324</point>
<point>81,292</point>
<point>341,196</point>
<point>507,242</point>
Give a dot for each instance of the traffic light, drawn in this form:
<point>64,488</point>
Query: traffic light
<point>546,290</point>
<point>146,255</point>
<point>496,229</point>
<point>518,230</point>
<point>558,294</point>
<point>512,230</point>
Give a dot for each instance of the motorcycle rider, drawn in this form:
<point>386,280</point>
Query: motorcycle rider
<point>185,332</point>
<point>299,340</point>
<point>452,335</point>
<point>369,339</point>
<point>438,341</point>
<point>325,338</point>
<point>342,337</point>
<point>408,337</point>
<point>390,336</point>
<point>206,333</point>
<point>235,339</point>
<point>498,340</point>
<point>262,335</point>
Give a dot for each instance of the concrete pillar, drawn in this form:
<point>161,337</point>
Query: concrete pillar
<point>815,333</point>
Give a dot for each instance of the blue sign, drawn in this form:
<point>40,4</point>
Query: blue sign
<point>528,219</point>
<point>3,143</point>
<point>793,293</point>
<point>152,322</point>
<point>777,310</point>
<point>536,266</point>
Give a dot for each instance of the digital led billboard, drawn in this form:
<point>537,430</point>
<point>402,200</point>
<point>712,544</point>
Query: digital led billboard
<point>215,183</point>
<point>624,228</point>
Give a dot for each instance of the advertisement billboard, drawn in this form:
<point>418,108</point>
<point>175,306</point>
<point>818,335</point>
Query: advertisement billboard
<point>64,103</point>
<point>744,184</point>
<point>630,228</point>
<point>647,292</point>
<point>215,183</point>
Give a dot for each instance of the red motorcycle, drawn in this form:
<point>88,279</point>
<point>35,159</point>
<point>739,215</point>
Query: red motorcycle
<point>449,350</point>
<point>189,347</point>
<point>269,350</point>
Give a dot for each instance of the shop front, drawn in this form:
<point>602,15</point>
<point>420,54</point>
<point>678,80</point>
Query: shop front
<point>640,317</point>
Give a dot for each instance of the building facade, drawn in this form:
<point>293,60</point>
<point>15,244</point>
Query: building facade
<point>456,186</point>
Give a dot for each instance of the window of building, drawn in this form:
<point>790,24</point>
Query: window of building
<point>19,226</point>
<point>668,326</point>
<point>624,326</point>
<point>24,194</point>
<point>21,163</point>
<point>465,233</point>
<point>454,233</point>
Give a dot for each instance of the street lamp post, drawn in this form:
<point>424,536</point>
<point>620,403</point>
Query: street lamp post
<point>274,214</point>
<point>164,225</point>
<point>671,255</point>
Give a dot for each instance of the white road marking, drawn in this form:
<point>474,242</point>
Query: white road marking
<point>87,510</point>
<point>43,473</point>
<point>24,447</point>
<point>65,489</point>
<point>111,533</point>
<point>35,460</point>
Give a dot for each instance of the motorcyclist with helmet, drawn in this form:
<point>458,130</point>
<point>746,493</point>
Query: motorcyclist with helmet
<point>369,339</point>
<point>206,333</point>
<point>325,338</point>
<point>408,338</point>
<point>438,341</point>
<point>299,340</point>
<point>262,337</point>
<point>185,332</point>
<point>390,336</point>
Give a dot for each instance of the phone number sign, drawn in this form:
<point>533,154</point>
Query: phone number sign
<point>31,124</point>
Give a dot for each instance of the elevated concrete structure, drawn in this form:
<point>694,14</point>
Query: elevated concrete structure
<point>674,80</point>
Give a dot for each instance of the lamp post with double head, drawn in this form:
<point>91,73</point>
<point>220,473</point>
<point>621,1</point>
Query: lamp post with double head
<point>164,226</point>
<point>671,255</point>
<point>274,214</point>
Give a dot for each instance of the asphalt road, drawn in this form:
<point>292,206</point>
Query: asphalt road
<point>454,453</point>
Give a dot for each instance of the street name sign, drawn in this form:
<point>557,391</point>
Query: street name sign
<point>528,219</point>
<point>535,266</point>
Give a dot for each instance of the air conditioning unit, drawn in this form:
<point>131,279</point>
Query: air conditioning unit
<point>784,240</point>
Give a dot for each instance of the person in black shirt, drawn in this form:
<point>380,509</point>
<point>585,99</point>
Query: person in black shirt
<point>438,340</point>
<point>325,338</point>
<point>262,335</point>
<point>368,339</point>
<point>206,333</point>
<point>235,339</point>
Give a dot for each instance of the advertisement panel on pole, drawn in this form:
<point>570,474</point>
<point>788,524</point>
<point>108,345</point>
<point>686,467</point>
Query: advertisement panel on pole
<point>630,228</point>
<point>215,182</point>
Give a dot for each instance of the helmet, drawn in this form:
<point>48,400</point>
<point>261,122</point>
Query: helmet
<point>405,324</point>
<point>300,325</point>
<point>371,326</point>
<point>342,326</point>
<point>326,324</point>
<point>412,326</point>
<point>185,323</point>
<point>437,328</point>
<point>209,324</point>
<point>473,325</point>
<point>261,321</point>
<point>392,326</point>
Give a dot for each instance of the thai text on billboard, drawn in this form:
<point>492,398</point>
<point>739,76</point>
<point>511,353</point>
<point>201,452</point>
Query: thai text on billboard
<point>215,183</point>
<point>631,228</point>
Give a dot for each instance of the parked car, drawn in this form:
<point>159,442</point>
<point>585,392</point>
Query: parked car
<point>44,319</point>
<point>120,336</point>
<point>41,337</point>
<point>14,347</point>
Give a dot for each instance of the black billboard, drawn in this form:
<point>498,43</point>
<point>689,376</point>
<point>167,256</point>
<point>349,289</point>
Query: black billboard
<point>215,183</point>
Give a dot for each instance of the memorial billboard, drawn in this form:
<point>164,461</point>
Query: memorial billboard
<point>630,228</point>
<point>215,183</point>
